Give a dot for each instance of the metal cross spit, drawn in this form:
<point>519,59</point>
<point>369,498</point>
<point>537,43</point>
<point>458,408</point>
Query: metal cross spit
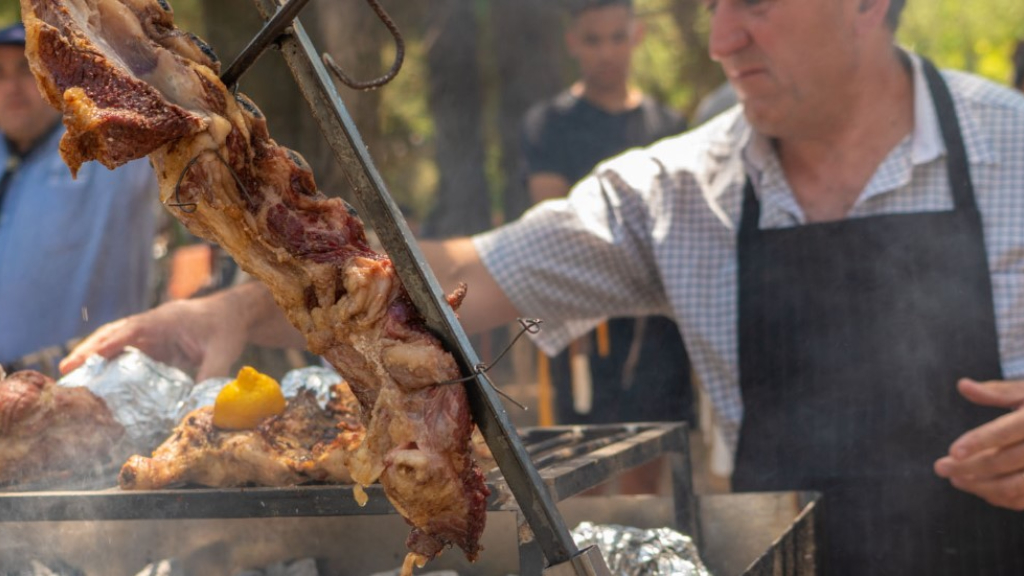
<point>379,209</point>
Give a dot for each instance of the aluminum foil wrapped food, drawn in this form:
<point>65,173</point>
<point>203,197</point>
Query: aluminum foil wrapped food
<point>149,398</point>
<point>637,552</point>
<point>143,395</point>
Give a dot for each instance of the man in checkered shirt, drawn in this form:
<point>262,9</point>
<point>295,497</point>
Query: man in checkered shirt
<point>844,256</point>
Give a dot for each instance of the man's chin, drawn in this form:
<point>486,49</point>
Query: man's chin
<point>762,117</point>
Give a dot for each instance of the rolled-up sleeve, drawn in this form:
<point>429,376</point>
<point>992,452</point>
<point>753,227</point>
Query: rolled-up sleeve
<point>573,262</point>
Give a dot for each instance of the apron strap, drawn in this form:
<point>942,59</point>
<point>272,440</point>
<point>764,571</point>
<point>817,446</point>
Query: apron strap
<point>957,167</point>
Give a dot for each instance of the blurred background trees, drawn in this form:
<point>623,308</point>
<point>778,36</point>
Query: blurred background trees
<point>444,134</point>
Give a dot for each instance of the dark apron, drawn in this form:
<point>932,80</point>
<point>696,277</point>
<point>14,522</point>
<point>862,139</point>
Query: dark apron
<point>852,335</point>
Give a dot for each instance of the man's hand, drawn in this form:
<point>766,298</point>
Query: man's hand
<point>182,333</point>
<point>988,461</point>
<point>204,335</point>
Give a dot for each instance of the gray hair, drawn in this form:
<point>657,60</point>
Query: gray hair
<point>892,17</point>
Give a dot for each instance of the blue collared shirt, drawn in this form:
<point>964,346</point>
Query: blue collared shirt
<point>74,253</point>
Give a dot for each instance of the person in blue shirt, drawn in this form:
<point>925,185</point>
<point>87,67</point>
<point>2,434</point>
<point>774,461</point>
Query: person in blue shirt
<point>75,253</point>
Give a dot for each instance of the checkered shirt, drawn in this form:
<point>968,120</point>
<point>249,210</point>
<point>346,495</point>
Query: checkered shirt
<point>653,231</point>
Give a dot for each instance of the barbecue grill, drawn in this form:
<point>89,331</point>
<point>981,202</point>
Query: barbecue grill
<point>110,532</point>
<point>107,531</point>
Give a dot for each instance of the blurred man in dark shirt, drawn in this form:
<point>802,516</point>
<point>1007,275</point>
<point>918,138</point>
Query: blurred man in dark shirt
<point>628,370</point>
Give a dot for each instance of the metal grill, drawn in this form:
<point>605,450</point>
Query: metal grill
<point>750,534</point>
<point>570,459</point>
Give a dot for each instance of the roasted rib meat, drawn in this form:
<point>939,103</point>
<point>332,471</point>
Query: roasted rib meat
<point>49,432</point>
<point>304,443</point>
<point>130,84</point>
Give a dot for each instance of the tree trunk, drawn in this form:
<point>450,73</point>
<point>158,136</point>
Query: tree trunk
<point>270,84</point>
<point>696,69</point>
<point>531,59</point>
<point>455,99</point>
<point>355,37</point>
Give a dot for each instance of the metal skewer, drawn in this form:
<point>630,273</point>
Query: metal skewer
<point>270,32</point>
<point>535,502</point>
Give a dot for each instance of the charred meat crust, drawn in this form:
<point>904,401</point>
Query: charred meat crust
<point>119,69</point>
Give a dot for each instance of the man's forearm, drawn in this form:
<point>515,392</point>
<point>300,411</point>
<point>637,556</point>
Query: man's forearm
<point>265,322</point>
<point>453,261</point>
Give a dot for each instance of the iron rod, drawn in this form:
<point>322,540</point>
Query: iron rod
<point>270,32</point>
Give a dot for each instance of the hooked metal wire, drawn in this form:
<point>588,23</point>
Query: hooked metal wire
<point>529,325</point>
<point>395,66</point>
<point>191,207</point>
<point>278,25</point>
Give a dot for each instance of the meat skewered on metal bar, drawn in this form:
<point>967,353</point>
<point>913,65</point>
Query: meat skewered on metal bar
<point>130,84</point>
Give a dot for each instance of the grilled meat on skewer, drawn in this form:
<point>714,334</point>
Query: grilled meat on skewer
<point>130,84</point>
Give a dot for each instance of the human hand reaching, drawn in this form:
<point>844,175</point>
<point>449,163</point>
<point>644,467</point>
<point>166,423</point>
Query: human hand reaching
<point>203,337</point>
<point>988,461</point>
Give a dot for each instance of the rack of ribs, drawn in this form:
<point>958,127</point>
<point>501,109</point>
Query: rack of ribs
<point>49,432</point>
<point>131,84</point>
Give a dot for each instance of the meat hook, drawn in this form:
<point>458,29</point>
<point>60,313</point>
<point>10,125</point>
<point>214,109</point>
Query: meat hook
<point>395,66</point>
<point>280,22</point>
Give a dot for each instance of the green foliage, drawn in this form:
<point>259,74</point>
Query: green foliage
<point>187,13</point>
<point>10,11</point>
<point>656,60</point>
<point>976,36</point>
<point>407,129</point>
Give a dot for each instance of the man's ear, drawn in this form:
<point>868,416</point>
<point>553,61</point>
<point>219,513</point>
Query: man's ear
<point>571,42</point>
<point>871,13</point>
<point>639,30</point>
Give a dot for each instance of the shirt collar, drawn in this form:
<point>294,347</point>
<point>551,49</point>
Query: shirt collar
<point>925,141</point>
<point>928,144</point>
<point>49,138</point>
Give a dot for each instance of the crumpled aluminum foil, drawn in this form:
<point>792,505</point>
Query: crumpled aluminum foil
<point>149,398</point>
<point>142,394</point>
<point>636,552</point>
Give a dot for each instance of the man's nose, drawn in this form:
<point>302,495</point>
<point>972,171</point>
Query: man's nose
<point>728,32</point>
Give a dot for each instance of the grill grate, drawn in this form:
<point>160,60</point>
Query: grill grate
<point>570,459</point>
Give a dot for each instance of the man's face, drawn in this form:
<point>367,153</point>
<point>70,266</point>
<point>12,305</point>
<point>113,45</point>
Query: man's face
<point>602,41</point>
<point>787,59</point>
<point>24,115</point>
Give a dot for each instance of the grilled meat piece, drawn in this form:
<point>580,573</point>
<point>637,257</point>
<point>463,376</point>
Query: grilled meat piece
<point>130,84</point>
<point>302,444</point>
<point>49,432</point>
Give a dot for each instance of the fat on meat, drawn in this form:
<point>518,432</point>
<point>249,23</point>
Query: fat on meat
<point>131,84</point>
